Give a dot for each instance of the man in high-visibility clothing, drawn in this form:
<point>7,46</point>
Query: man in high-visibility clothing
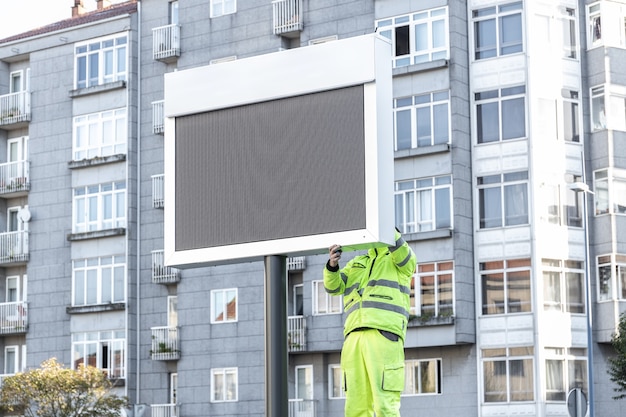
<point>376,294</point>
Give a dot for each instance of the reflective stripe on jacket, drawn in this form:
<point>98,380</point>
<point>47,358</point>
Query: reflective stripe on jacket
<point>376,288</point>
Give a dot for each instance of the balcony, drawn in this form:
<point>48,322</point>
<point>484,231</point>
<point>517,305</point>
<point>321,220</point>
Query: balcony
<point>287,17</point>
<point>162,274</point>
<point>158,117</point>
<point>165,344</point>
<point>15,109</point>
<point>302,408</point>
<point>13,247</point>
<point>165,410</point>
<point>13,317</point>
<point>166,43</point>
<point>297,263</point>
<point>158,191</point>
<point>296,333</point>
<point>14,179</point>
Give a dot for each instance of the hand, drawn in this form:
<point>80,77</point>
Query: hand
<point>335,255</point>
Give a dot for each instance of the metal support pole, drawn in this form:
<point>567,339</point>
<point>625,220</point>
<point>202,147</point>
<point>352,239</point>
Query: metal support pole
<point>276,401</point>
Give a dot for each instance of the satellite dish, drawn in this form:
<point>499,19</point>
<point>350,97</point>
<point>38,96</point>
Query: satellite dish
<point>24,215</point>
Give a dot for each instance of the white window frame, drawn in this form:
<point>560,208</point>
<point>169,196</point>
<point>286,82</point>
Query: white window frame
<point>15,365</point>
<point>9,286</point>
<point>172,310</point>
<point>411,107</point>
<point>85,343</point>
<point>220,396</point>
<point>441,272</point>
<point>571,114</point>
<point>109,56</point>
<point>609,191</point>
<point>611,277</point>
<point>566,357</point>
<point>501,97</point>
<point>413,377</point>
<point>173,387</point>
<point>335,382</point>
<point>594,25</point>
<point>97,269</point>
<point>506,356</point>
<point>221,307</point>
<point>100,134</point>
<point>497,13</point>
<point>598,110</point>
<point>437,16</point>
<point>309,382</point>
<point>333,303</point>
<point>93,202</point>
<point>501,182</point>
<point>560,300</point>
<point>416,202</point>
<point>223,7</point>
<point>508,270</point>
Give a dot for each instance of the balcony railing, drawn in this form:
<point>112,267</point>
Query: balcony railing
<point>13,247</point>
<point>13,317</point>
<point>297,263</point>
<point>158,117</point>
<point>162,274</point>
<point>302,408</point>
<point>166,43</point>
<point>165,410</point>
<point>158,191</point>
<point>296,333</point>
<point>165,343</point>
<point>14,177</point>
<point>287,17</point>
<point>15,108</point>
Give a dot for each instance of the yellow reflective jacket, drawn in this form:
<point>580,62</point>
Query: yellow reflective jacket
<point>376,288</point>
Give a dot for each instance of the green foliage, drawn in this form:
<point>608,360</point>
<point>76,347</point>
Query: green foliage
<point>55,391</point>
<point>617,364</point>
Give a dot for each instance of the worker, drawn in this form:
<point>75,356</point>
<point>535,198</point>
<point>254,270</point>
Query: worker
<point>376,299</point>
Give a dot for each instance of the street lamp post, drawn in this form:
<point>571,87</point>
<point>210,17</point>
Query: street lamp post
<point>581,187</point>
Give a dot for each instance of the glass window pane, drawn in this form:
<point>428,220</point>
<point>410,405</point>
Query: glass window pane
<point>490,207</point>
<point>516,204</point>
<point>106,289</point>
<point>518,292</point>
<point>551,290</point>
<point>421,37</point>
<point>510,34</point>
<point>513,118</point>
<point>521,380</point>
<point>423,126</point>
<point>494,373</point>
<point>555,390</point>
<point>402,40</point>
<point>575,292</point>
<point>403,129</point>
<point>439,34</point>
<point>485,38</point>
<point>440,123</point>
<point>119,282</point>
<point>442,208</point>
<point>92,286</point>
<point>488,122</point>
<point>493,293</point>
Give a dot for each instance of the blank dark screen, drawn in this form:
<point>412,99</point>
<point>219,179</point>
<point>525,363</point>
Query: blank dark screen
<point>284,168</point>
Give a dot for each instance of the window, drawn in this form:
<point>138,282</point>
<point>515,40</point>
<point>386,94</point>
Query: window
<point>423,204</point>
<point>506,286</point>
<point>570,46</point>
<point>501,114</point>
<point>594,25</point>
<point>105,350</point>
<point>223,7</point>
<point>224,305</point>
<point>503,199</point>
<point>224,385</point>
<point>422,120</point>
<point>598,109</point>
<point>324,303</point>
<point>498,30</point>
<point>100,207</point>
<point>612,277</point>
<point>304,382</point>
<point>508,374</point>
<point>99,280</point>
<point>610,191</point>
<point>432,290</point>
<point>566,369</point>
<point>564,205</point>
<point>335,382</point>
<point>418,37</point>
<point>100,134</point>
<point>101,61</point>
<point>173,387</point>
<point>422,377</point>
<point>11,365</point>
<point>563,286</point>
<point>571,119</point>
<point>173,12</point>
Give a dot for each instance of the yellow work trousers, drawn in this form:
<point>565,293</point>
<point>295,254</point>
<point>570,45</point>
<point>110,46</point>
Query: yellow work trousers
<point>373,374</point>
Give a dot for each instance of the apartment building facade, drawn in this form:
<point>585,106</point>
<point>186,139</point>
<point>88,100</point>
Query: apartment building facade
<point>509,172</point>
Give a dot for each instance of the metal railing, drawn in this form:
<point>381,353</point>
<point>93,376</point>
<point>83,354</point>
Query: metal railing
<point>13,317</point>
<point>302,408</point>
<point>165,343</point>
<point>162,274</point>
<point>158,191</point>
<point>14,177</point>
<point>296,333</point>
<point>166,42</point>
<point>158,117</point>
<point>165,410</point>
<point>297,263</point>
<point>287,16</point>
<point>15,107</point>
<point>13,247</point>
